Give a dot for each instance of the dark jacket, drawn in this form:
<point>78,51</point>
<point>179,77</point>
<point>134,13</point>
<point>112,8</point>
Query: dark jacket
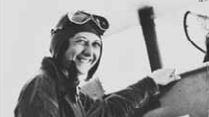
<point>50,94</point>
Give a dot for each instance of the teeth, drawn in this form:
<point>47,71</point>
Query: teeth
<point>84,60</point>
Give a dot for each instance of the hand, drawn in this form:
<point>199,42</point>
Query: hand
<point>164,76</point>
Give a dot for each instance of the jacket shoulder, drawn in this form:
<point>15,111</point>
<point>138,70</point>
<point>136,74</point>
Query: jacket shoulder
<point>41,83</point>
<point>36,95</point>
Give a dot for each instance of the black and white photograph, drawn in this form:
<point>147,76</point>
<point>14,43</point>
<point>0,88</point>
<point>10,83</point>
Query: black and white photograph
<point>104,58</point>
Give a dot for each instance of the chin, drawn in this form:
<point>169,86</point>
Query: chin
<point>83,69</point>
<point>82,72</point>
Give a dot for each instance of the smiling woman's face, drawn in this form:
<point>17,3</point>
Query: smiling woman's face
<point>84,49</point>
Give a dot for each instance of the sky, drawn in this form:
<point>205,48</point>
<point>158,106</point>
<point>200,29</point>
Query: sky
<point>25,38</point>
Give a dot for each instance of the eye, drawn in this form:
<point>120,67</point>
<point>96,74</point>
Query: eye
<point>97,44</point>
<point>80,41</point>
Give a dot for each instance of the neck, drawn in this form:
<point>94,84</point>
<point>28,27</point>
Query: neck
<point>82,79</point>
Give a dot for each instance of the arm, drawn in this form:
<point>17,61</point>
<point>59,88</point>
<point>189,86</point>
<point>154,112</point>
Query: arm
<point>122,103</point>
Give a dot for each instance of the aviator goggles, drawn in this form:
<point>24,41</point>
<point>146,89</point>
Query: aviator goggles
<point>81,17</point>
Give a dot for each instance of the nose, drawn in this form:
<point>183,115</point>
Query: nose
<point>88,51</point>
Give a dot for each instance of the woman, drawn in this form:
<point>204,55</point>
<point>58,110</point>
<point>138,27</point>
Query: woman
<point>76,49</point>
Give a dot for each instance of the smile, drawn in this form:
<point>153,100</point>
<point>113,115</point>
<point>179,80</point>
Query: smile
<point>84,60</point>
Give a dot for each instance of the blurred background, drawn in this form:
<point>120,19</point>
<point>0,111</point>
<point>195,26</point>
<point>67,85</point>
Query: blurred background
<point>25,38</point>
